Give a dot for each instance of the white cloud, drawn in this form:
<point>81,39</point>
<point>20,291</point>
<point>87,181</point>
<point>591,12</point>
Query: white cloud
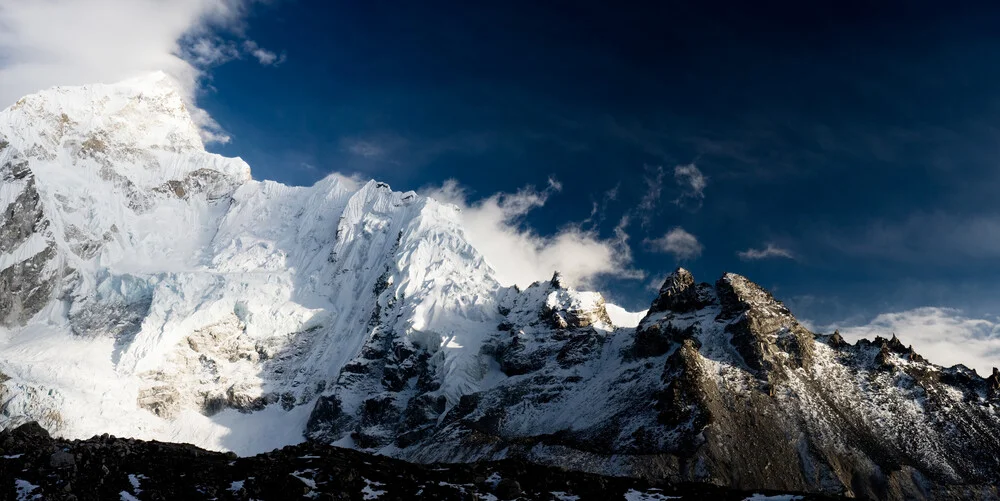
<point>44,43</point>
<point>689,178</point>
<point>692,183</point>
<point>771,251</point>
<point>654,186</point>
<point>678,242</point>
<point>206,51</point>
<point>210,51</point>
<point>944,336</point>
<point>599,209</point>
<point>263,56</point>
<point>521,256</point>
<point>624,250</point>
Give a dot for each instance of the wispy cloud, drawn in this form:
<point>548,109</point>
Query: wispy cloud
<point>769,252</point>
<point>624,250</point>
<point>653,142</point>
<point>206,51</point>
<point>494,226</point>
<point>264,56</point>
<point>365,149</point>
<point>923,238</point>
<point>598,210</point>
<point>944,336</point>
<point>678,242</point>
<point>390,148</point>
<point>692,183</point>
<point>651,198</point>
<point>209,51</point>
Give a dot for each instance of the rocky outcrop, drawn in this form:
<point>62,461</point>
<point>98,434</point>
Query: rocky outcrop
<point>993,384</point>
<point>836,340</point>
<point>680,294</point>
<point>213,184</point>
<point>655,339</point>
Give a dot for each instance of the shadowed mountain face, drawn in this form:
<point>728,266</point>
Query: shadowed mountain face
<point>153,290</point>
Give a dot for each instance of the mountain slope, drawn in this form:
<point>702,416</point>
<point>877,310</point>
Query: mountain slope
<point>151,289</point>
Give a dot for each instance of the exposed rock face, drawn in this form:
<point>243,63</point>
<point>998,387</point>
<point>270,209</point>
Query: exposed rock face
<point>762,329</point>
<point>28,273</point>
<point>35,466</point>
<point>680,294</point>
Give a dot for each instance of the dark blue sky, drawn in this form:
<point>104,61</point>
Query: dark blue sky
<point>863,139</point>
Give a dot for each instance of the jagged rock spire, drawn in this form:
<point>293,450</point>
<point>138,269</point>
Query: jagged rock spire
<point>556,280</point>
<point>896,345</point>
<point>680,293</point>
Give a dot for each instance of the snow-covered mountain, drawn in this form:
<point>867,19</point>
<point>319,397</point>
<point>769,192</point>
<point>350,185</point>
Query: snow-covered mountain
<point>151,289</point>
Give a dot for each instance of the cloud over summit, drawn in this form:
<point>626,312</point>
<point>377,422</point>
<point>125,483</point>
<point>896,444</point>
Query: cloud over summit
<point>521,256</point>
<point>76,42</point>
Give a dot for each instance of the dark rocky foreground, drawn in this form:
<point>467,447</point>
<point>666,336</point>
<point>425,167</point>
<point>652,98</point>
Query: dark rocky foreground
<point>33,465</point>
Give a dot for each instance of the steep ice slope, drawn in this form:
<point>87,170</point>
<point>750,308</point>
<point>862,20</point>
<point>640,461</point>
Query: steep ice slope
<point>112,194</point>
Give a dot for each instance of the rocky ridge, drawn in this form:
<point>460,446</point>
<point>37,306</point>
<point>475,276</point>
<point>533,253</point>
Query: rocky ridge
<point>720,384</point>
<point>35,466</point>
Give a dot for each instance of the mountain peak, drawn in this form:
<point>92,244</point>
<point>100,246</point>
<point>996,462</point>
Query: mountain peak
<point>145,112</point>
<point>738,294</point>
<point>153,81</point>
<point>137,135</point>
<point>680,293</point>
<point>679,279</point>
